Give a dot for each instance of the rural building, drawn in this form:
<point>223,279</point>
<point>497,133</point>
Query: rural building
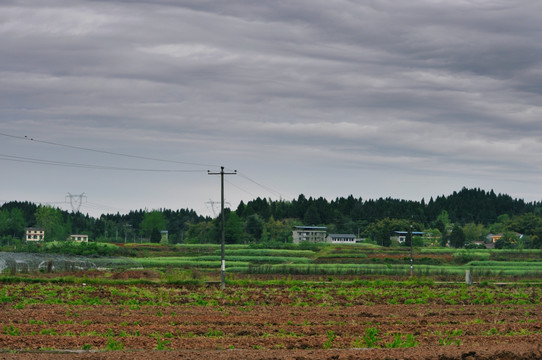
<point>313,234</point>
<point>35,234</point>
<point>341,238</point>
<point>401,236</point>
<point>492,238</point>
<point>78,238</point>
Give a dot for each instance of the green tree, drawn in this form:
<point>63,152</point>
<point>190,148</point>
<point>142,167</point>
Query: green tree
<point>473,232</point>
<point>278,230</point>
<point>508,240</point>
<point>501,225</point>
<point>417,241</point>
<point>12,222</point>
<point>457,237</point>
<point>382,230</point>
<point>201,233</point>
<point>17,222</point>
<point>311,216</point>
<point>155,235</point>
<point>4,222</point>
<point>443,240</point>
<point>234,229</point>
<point>525,224</point>
<point>254,227</point>
<point>50,219</point>
<point>444,218</point>
<point>443,225</point>
<point>525,242</point>
<point>536,239</point>
<point>153,220</point>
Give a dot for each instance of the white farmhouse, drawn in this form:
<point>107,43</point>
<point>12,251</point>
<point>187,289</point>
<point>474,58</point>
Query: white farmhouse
<point>35,234</point>
<point>79,238</point>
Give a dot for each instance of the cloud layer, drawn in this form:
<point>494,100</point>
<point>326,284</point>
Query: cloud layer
<point>406,99</point>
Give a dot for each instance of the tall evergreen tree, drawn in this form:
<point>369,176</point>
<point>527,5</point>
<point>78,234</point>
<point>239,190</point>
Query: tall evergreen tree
<point>311,216</point>
<point>457,237</point>
<point>155,235</point>
<point>234,229</point>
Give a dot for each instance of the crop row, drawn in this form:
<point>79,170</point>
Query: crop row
<point>354,260</point>
<point>118,326</point>
<point>477,270</point>
<point>328,295</point>
<point>301,265</point>
<point>268,252</point>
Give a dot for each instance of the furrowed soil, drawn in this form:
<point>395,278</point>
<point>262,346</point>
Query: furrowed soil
<point>142,321</point>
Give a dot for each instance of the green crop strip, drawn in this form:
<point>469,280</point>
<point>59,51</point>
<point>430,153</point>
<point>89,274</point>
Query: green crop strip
<point>245,293</point>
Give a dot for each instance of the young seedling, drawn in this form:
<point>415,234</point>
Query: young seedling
<point>328,344</point>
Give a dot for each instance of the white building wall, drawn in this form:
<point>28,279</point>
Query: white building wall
<point>35,234</point>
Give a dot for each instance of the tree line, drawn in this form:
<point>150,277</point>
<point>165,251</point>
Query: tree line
<point>458,219</point>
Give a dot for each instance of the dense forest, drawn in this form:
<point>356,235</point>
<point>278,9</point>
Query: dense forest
<point>459,220</point>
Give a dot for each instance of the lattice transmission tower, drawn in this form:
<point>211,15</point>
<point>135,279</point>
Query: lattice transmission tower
<point>76,201</point>
<point>213,203</point>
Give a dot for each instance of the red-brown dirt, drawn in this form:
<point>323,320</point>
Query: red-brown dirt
<point>269,326</point>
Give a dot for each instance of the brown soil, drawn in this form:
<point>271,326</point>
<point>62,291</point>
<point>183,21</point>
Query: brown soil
<point>136,274</point>
<point>270,327</point>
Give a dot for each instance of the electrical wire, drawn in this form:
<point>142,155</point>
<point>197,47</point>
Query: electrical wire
<point>96,206</point>
<point>105,152</point>
<point>276,193</point>
<point>85,166</point>
<point>238,187</point>
<point>102,167</point>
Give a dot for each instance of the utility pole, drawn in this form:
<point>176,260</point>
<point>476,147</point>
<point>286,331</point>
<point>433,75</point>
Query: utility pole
<point>411,252</point>
<point>223,241</point>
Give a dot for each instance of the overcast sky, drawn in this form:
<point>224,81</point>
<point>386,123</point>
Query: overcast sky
<point>407,99</point>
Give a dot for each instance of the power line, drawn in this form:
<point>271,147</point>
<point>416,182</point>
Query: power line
<point>266,188</point>
<point>104,151</point>
<point>98,206</point>
<point>240,188</point>
<point>85,166</point>
<point>262,186</point>
<point>116,168</point>
<point>26,138</point>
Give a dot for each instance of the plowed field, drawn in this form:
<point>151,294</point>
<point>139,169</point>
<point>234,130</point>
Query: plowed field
<point>312,321</point>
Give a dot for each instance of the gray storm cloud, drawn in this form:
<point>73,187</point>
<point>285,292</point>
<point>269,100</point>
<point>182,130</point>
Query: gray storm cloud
<point>431,96</point>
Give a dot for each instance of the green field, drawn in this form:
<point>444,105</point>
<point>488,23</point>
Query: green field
<point>354,260</point>
<point>443,264</point>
